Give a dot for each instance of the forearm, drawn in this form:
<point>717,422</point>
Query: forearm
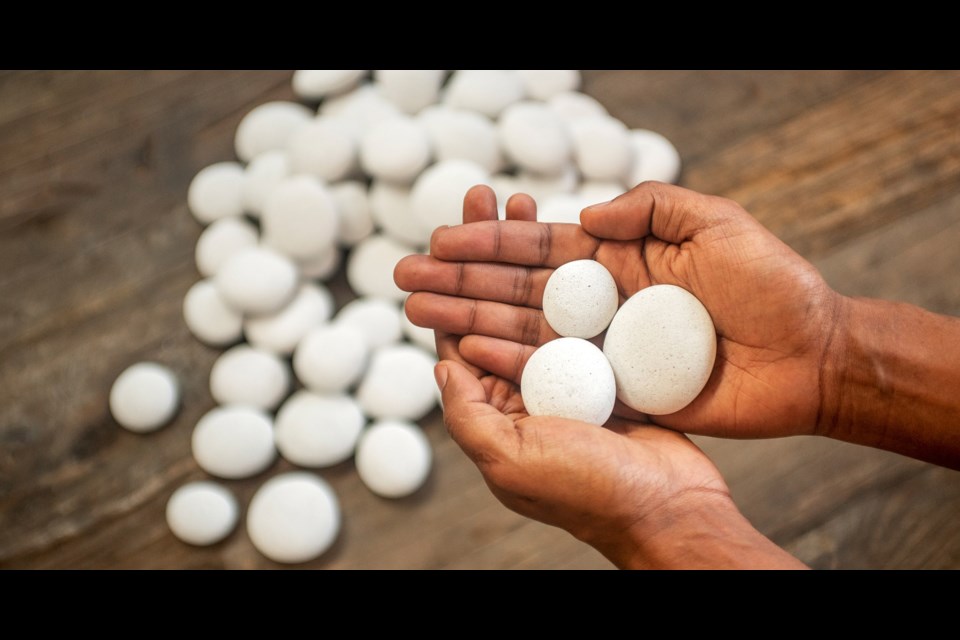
<point>892,381</point>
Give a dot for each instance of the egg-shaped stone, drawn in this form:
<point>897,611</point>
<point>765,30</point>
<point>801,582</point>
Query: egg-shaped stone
<point>377,319</point>
<point>300,218</point>
<point>221,240</point>
<point>314,84</point>
<point>580,299</point>
<point>655,158</point>
<point>398,384</point>
<point>393,458</point>
<point>437,196</point>
<point>536,138</point>
<point>314,430</point>
<point>234,442</point>
<point>268,127</point>
<point>331,358</point>
<point>144,397</point>
<point>202,513</point>
<point>371,264</point>
<point>280,332</point>
<point>569,378</point>
<point>251,377</point>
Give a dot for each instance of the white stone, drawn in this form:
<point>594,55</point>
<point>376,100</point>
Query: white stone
<point>410,89</point>
<point>364,107</point>
<point>394,458</point>
<point>293,517</point>
<point>420,336</point>
<point>541,187</point>
<point>378,319</point>
<point>269,127</point>
<point>261,177</point>
<point>437,195</point>
<point>543,84</point>
<point>250,377</point>
<point>573,105</point>
<point>282,331</point>
<point>391,208</point>
<point>314,84</point>
<point>144,397</point>
<point>257,280</point>
<point>314,430</point>
<point>325,148</point>
<point>398,384</point>
<point>353,206</point>
<point>580,299</point>
<point>456,134</point>
<point>534,137</point>
<point>222,239</point>
<point>561,207</point>
<point>216,192</point>
<point>371,264</point>
<point>209,318</point>
<point>593,192</point>
<point>569,378</point>
<point>486,91</point>
<point>396,149</point>
<point>662,345</point>
<point>331,358</point>
<point>202,513</point>
<point>234,442</point>
<point>655,158</point>
<point>323,266</point>
<point>300,218</point>
<point>602,149</point>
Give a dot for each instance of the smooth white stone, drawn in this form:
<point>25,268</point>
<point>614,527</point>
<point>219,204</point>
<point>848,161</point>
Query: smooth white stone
<point>216,192</point>
<point>202,513</point>
<point>250,377</point>
<point>325,148</point>
<point>655,158</point>
<point>282,331</point>
<point>580,299</point>
<point>331,358</point>
<point>312,430</point>
<point>398,384</point>
<point>300,218</point>
<point>314,84</point>
<point>353,206</point>
<point>222,239</point>
<point>534,137</point>
<point>323,266</point>
<point>486,91</point>
<point>364,107</point>
<point>209,318</point>
<point>456,134</point>
<point>378,319</point>
<point>234,442</point>
<point>662,345</point>
<point>396,149</point>
<point>258,280</point>
<point>392,209</point>
<point>602,149</point>
<point>410,89</point>
<point>144,397</point>
<point>543,84</point>
<point>293,517</point>
<point>592,192</point>
<point>437,195</point>
<point>541,187</point>
<point>569,378</point>
<point>394,458</point>
<point>573,105</point>
<point>371,264</point>
<point>420,336</point>
<point>269,127</point>
<point>561,207</point>
<point>261,177</point>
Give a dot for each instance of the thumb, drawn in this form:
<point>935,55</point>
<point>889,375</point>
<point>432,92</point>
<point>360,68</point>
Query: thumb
<point>473,423</point>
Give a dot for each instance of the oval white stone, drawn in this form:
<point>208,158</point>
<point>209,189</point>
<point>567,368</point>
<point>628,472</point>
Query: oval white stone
<point>314,84</point>
<point>410,89</point>
<point>216,192</point>
<point>393,458</point>
<point>535,138</point>
<point>392,210</point>
<point>456,134</point>
<point>222,239</point>
<point>353,205</point>
<point>655,158</point>
<point>269,127</point>
<point>209,318</point>
<point>331,358</point>
<point>323,266</point>
<point>437,195</point>
<point>602,148</point>
<point>282,331</point>
<point>396,149</point>
<point>312,430</point>
<point>257,280</point>
<point>326,148</point>
<point>580,299</point>
<point>371,264</point>
<point>573,105</point>
<point>234,442</point>
<point>300,218</point>
<point>377,319</point>
<point>543,84</point>
<point>261,177</point>
<point>486,91</point>
<point>569,378</point>
<point>399,384</point>
<point>202,513</point>
<point>144,397</point>
<point>249,377</point>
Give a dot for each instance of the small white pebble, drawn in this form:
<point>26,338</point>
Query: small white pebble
<point>261,177</point>
<point>486,91</point>
<point>396,149</point>
<point>144,397</point>
<point>392,209</point>
<point>269,127</point>
<point>300,218</point>
<point>376,318</point>
<point>314,430</point>
<point>456,134</point>
<point>655,158</point>
<point>222,239</point>
<point>323,266</point>
<point>209,318</point>
<point>371,264</point>
<point>569,378</point>
<point>314,84</point>
<point>393,458</point>
<point>258,280</point>
<point>250,377</point>
<point>534,137</point>
<point>353,207</point>
<point>216,192</point>
<point>410,89</point>
<point>282,331</point>
<point>602,148</point>
<point>573,105</point>
<point>580,299</point>
<point>398,384</point>
<point>325,148</point>
<point>202,513</point>
<point>331,358</point>
<point>437,195</point>
<point>543,84</point>
<point>420,336</point>
<point>234,442</point>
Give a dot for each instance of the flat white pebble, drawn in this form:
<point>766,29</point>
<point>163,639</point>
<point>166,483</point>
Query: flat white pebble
<point>662,345</point>
<point>258,280</point>
<point>325,148</point>
<point>569,378</point>
<point>420,336</point>
<point>580,299</point>
<point>222,239</point>
<point>534,137</point>
<point>394,458</point>
<point>392,209</point>
<point>300,218</point>
<point>602,148</point>
<point>293,517</point>
<point>573,105</point>
<point>396,149</point>
<point>378,319</point>
<point>314,84</point>
<point>331,358</point>
<point>398,384</point>
<point>269,127</point>
<point>437,195</point>
<point>209,318</point>
<point>486,91</point>
<point>543,84</point>
<point>353,206</point>
<point>456,134</point>
<point>323,266</point>
<point>655,158</point>
<point>314,430</point>
<point>282,331</point>
<point>234,442</point>
<point>371,264</point>
<point>261,177</point>
<point>202,513</point>
<point>216,192</point>
<point>144,397</point>
<point>410,89</point>
<point>250,377</point>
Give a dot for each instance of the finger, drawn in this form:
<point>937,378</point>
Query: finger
<point>464,316</point>
<point>480,203</point>
<point>520,206</point>
<point>448,348</point>
<point>514,241</point>
<point>669,212</point>
<point>474,424</point>
<point>481,280</point>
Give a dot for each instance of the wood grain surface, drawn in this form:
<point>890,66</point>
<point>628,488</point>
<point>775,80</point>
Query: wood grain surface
<point>859,171</point>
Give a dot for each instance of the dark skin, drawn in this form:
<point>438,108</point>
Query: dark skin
<point>788,352</point>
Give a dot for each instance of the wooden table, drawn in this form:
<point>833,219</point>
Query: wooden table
<point>858,171</point>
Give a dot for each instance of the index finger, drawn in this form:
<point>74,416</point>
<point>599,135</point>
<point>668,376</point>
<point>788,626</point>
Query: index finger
<point>514,241</point>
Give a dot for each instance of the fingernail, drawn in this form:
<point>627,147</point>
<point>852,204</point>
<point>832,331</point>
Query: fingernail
<point>440,373</point>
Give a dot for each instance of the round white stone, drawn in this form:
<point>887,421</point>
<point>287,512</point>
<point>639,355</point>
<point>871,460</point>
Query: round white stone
<point>371,264</point>
<point>331,358</point>
<point>569,378</point>
<point>662,345</point>
<point>314,84</point>
<point>234,442</point>
<point>573,105</point>
<point>216,192</point>
<point>592,192</point>
<point>282,331</point>
<point>326,148</point>
<point>222,239</point>
<point>534,137</point>
<point>543,84</point>
<point>561,207</point>
<point>393,458</point>
<point>209,318</point>
<point>655,158</point>
<point>410,89</point>
<point>353,207</point>
<point>602,148</point>
<point>250,377</point>
<point>391,208</point>
<point>486,91</point>
<point>541,187</point>
<point>364,107</point>
<point>580,299</point>
<point>318,431</point>
<point>257,280</point>
<point>261,177</point>
<point>300,218</point>
<point>144,397</point>
<point>377,319</point>
<point>202,513</point>
<point>397,150</point>
<point>398,384</point>
<point>323,266</point>
<point>269,127</point>
<point>420,336</point>
<point>437,195</point>
<point>456,134</point>
<point>293,517</point>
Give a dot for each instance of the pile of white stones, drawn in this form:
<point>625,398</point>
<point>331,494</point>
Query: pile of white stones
<point>386,157</point>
